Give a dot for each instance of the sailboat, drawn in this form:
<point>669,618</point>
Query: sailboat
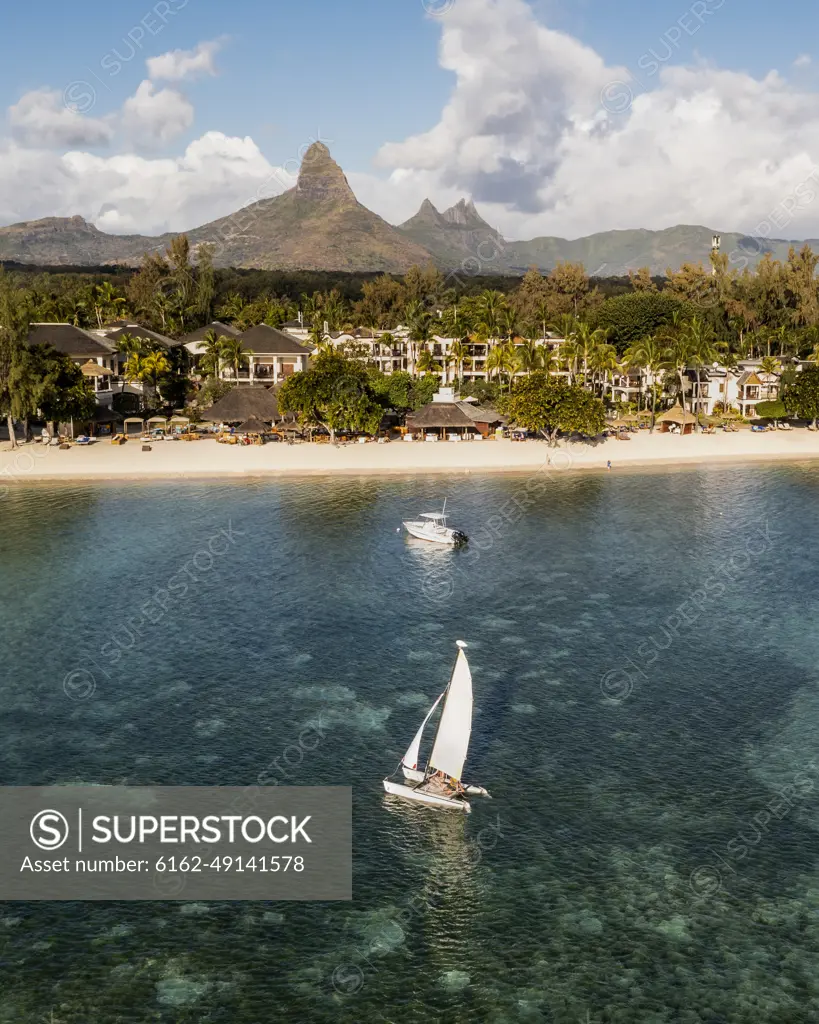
<point>439,783</point>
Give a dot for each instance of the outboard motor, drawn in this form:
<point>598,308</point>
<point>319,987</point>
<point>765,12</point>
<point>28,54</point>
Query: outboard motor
<point>459,538</point>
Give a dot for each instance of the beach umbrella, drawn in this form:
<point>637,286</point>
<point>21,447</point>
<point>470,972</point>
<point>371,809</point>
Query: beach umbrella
<point>92,369</point>
<point>253,426</point>
<point>290,426</point>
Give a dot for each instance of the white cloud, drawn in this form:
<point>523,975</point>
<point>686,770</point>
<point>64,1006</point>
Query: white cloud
<point>152,117</point>
<point>526,133</point>
<point>803,61</point>
<point>177,65</point>
<point>43,119</point>
<point>130,194</point>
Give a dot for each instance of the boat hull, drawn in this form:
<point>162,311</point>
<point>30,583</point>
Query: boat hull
<point>430,799</point>
<point>447,537</point>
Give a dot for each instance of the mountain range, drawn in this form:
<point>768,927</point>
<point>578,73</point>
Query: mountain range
<point>320,225</point>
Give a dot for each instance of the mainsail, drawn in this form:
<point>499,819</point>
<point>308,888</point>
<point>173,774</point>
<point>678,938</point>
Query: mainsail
<point>410,759</point>
<point>454,729</point>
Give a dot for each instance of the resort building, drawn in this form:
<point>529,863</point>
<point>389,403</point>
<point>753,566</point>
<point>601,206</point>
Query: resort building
<point>393,350</point>
<point>742,387</point>
<point>268,356</point>
<point>214,329</point>
<point>92,352</point>
<point>629,386</point>
<point>123,330</point>
<point>753,387</point>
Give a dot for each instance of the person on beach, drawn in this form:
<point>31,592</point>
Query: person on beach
<point>608,465</point>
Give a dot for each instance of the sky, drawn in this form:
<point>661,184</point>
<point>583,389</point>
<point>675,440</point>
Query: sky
<point>557,117</point>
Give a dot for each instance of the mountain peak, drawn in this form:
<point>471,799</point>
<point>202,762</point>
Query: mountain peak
<point>427,216</point>
<point>320,177</point>
<point>464,214</point>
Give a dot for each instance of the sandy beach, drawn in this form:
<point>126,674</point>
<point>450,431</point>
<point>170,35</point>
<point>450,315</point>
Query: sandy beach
<point>103,461</point>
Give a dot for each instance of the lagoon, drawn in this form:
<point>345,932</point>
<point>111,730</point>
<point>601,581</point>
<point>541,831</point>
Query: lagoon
<point>644,654</point>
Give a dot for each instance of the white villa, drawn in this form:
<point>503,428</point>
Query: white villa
<point>270,355</point>
<point>392,350</point>
<point>741,388</point>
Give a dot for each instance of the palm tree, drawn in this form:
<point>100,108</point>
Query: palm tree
<point>232,308</point>
<point>564,327</point>
<point>318,336</point>
<point>530,357</point>
<point>549,360</point>
<point>459,353</point>
<point>107,304</point>
<point>603,360</point>
<point>779,335</point>
<point>420,332</point>
<point>130,346</point>
<point>678,356</point>
<point>214,354</point>
<point>503,360</point>
<point>509,323</point>
<point>132,371</point>
<point>649,355</point>
<point>426,363</point>
<point>154,364</point>
<point>588,339</point>
<point>233,352</point>
<point>490,307</point>
<point>570,355</point>
<point>770,365</point>
<point>702,352</point>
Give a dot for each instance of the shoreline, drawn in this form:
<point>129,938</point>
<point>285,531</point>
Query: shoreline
<point>207,461</point>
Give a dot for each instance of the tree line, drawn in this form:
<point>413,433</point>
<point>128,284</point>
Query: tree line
<point>691,318</point>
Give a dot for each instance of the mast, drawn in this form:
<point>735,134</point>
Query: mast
<point>461,645</point>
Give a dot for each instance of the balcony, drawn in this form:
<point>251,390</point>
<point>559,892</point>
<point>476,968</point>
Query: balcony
<point>758,394</point>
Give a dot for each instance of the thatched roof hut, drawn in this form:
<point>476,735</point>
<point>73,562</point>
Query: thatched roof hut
<point>455,416</point>
<point>440,416</point>
<point>253,426</point>
<point>679,417</point>
<point>240,403</point>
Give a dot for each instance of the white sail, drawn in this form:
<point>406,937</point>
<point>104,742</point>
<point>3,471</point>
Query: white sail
<point>452,739</point>
<point>410,759</point>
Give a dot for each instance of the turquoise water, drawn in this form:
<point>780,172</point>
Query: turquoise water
<point>644,651</point>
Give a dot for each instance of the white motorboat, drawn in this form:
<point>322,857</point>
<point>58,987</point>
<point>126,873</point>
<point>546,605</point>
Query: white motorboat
<point>439,784</point>
<point>432,526</point>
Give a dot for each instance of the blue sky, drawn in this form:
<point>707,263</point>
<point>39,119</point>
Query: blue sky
<point>514,103</point>
<point>363,72</point>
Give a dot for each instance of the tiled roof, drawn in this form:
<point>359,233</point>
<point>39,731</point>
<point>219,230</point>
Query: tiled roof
<point>68,339</point>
